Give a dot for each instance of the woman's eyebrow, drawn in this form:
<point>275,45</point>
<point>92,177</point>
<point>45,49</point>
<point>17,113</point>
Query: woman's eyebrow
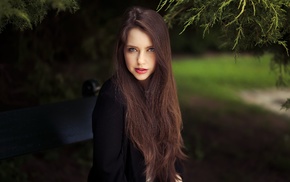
<point>129,45</point>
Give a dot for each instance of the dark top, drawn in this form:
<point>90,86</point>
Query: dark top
<point>115,159</point>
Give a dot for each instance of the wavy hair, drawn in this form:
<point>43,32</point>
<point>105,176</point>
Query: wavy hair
<point>153,118</point>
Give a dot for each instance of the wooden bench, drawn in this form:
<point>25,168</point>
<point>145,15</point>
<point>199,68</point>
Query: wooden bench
<point>34,129</point>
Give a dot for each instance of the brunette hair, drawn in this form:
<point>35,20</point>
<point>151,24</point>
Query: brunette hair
<point>153,119</point>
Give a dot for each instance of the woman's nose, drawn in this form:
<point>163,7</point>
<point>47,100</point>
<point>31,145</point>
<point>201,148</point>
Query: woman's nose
<point>141,58</point>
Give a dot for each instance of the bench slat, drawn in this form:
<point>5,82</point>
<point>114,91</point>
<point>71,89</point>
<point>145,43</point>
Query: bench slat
<point>34,129</point>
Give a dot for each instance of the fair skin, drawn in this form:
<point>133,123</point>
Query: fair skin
<point>139,55</point>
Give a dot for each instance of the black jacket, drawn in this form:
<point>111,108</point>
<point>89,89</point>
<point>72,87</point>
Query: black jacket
<point>115,159</point>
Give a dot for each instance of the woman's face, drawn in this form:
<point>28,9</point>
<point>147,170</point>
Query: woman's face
<point>139,55</point>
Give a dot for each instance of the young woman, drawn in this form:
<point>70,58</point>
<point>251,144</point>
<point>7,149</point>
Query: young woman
<point>137,120</point>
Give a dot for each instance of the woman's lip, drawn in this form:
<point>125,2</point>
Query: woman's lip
<point>141,70</point>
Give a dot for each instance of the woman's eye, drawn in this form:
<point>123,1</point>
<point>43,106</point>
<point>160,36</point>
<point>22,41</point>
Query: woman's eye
<point>132,49</point>
<point>151,49</point>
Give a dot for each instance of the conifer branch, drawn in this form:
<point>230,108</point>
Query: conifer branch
<point>23,14</point>
<point>244,24</point>
<point>254,7</point>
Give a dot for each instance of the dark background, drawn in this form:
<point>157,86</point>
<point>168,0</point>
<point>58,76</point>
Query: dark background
<point>50,62</point>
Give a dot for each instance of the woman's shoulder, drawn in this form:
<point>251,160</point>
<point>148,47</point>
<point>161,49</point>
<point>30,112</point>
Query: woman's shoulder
<point>110,89</point>
<point>108,86</point>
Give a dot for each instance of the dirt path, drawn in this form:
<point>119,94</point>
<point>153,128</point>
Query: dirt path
<point>271,99</point>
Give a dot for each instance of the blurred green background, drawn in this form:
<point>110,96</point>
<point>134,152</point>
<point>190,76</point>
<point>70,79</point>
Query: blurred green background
<point>226,138</point>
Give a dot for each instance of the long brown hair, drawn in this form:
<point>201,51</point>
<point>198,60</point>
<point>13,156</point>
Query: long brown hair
<point>153,118</point>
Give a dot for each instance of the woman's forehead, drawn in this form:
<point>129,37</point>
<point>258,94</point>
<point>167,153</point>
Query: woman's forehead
<point>137,37</point>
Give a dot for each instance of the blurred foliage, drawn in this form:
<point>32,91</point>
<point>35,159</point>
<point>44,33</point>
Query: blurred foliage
<point>50,62</point>
<point>192,42</point>
<point>286,104</point>
<point>10,170</point>
<point>60,162</point>
<point>25,14</point>
<point>245,25</point>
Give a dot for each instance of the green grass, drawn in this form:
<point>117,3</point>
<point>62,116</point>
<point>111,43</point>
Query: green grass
<point>226,138</point>
<point>221,76</point>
